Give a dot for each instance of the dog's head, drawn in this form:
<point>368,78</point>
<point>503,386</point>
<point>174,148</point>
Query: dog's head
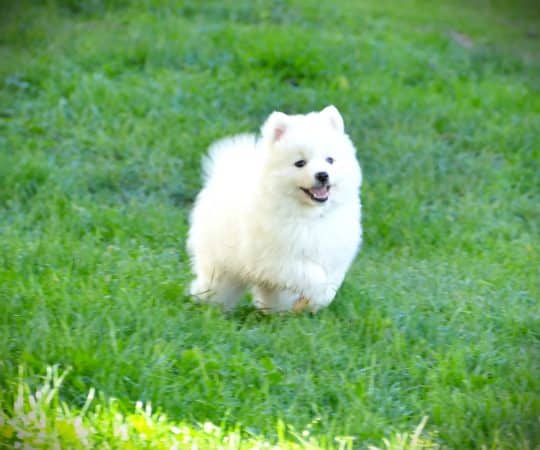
<point>310,158</point>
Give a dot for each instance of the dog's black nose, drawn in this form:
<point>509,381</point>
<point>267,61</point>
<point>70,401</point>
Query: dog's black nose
<point>322,177</point>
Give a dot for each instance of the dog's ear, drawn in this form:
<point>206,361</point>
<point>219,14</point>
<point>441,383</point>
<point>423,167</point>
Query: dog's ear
<point>334,117</point>
<point>275,126</point>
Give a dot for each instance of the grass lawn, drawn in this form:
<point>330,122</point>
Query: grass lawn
<point>105,110</point>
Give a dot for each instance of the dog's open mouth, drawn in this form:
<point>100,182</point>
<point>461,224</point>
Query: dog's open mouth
<point>318,194</point>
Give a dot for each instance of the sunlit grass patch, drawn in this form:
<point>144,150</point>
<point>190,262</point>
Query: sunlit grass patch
<point>40,419</point>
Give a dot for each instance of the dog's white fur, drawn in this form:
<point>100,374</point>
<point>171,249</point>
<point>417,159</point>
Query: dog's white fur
<point>253,226</point>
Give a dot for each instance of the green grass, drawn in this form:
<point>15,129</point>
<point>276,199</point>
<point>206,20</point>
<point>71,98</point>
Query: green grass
<point>105,110</point>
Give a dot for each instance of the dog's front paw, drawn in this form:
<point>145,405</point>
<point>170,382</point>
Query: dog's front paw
<point>300,305</point>
<point>321,297</point>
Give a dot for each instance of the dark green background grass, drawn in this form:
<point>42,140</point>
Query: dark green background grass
<point>105,110</point>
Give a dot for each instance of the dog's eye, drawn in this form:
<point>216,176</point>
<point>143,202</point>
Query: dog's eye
<point>330,160</point>
<point>300,163</point>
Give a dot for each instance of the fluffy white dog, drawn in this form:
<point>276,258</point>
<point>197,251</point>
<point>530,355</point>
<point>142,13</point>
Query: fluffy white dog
<point>279,214</point>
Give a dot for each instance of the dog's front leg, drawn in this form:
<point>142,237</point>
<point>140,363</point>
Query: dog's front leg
<point>295,286</point>
<point>316,288</point>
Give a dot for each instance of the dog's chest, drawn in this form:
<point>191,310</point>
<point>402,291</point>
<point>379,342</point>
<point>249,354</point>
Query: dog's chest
<point>324,239</point>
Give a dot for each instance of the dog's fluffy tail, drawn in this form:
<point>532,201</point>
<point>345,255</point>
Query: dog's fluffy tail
<point>229,157</point>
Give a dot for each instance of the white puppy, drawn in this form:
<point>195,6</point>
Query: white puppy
<point>279,214</point>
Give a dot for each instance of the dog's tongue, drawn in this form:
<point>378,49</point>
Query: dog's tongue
<point>319,192</point>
